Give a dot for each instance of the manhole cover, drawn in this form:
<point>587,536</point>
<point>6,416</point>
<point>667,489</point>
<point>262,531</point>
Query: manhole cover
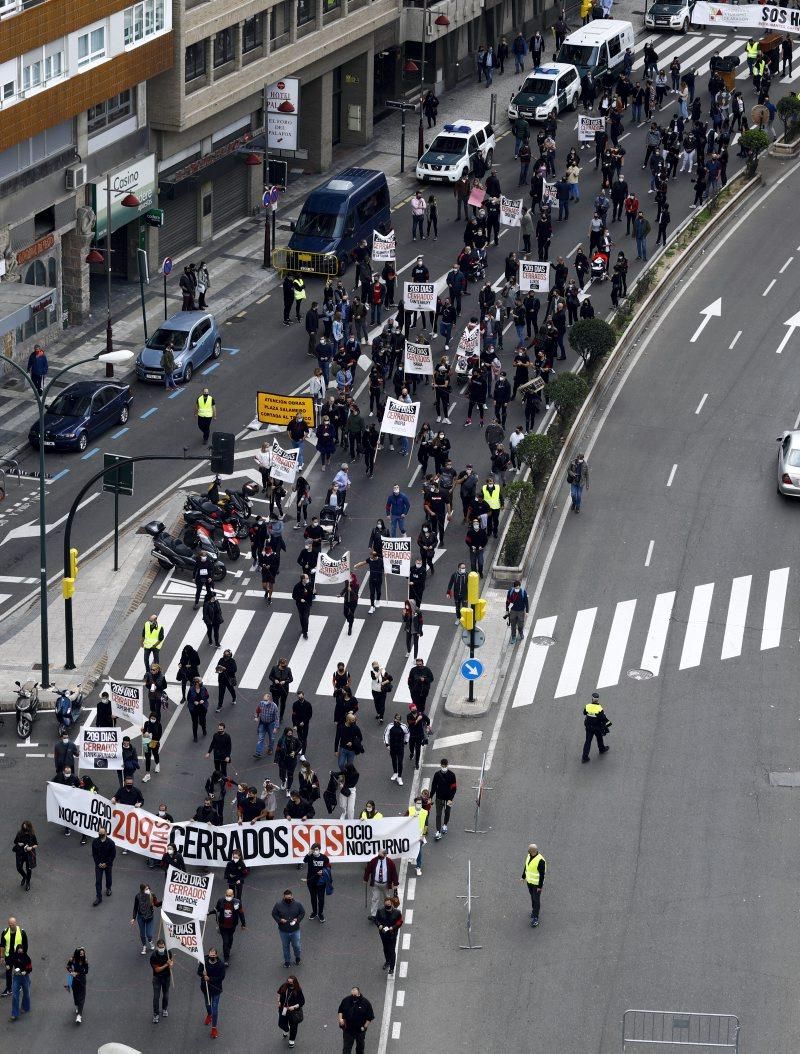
<point>640,675</point>
<point>543,642</point>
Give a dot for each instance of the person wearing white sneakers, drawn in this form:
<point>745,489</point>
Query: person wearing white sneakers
<point>77,969</point>
<point>375,564</point>
<point>396,739</point>
<point>443,790</point>
<point>144,905</point>
<point>161,965</point>
<point>151,739</point>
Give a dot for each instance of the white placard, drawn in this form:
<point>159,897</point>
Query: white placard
<point>587,126</point>
<point>534,275</point>
<point>332,572</point>
<point>396,556</point>
<point>747,16</point>
<point>400,418</point>
<point>419,296</point>
<point>470,341</point>
<point>384,247</point>
<point>184,935</point>
<point>187,895</point>
<point>510,212</point>
<point>100,749</point>
<point>127,701</point>
<point>418,358</point>
<point>284,462</point>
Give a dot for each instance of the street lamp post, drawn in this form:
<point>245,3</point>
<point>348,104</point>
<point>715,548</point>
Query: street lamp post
<point>41,401</point>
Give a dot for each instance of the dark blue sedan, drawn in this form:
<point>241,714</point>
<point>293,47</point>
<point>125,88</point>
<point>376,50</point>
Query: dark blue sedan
<point>81,412</point>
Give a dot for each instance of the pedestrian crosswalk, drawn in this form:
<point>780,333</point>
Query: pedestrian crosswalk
<point>258,637</point>
<point>683,628</point>
<point>695,52</point>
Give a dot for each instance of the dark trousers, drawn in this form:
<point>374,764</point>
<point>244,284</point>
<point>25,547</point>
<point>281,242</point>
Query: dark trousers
<point>24,867</point>
<point>536,898</point>
<point>389,942</point>
<point>317,896</point>
<point>302,613</point>
<point>212,629</point>
<point>227,942</point>
<point>204,424</point>
<point>379,699</point>
<point>150,752</point>
<point>414,749</point>
<point>98,878</point>
<point>160,991</point>
<point>78,993</point>
<point>442,807</point>
<point>279,696</point>
<point>202,583</point>
<point>220,764</point>
<point>225,686</point>
<point>397,761</point>
<point>588,742</point>
<point>375,585</point>
<point>198,715</point>
<point>349,1038</point>
<point>150,656</point>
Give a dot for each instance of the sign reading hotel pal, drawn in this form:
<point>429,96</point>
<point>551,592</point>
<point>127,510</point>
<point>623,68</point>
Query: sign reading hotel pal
<point>283,110</point>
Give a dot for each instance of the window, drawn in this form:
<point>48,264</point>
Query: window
<point>54,65</point>
<point>91,46</point>
<point>223,48</point>
<point>143,20</point>
<point>614,46</point>
<point>252,34</point>
<point>306,11</point>
<point>195,61</point>
<point>6,90</point>
<point>117,108</point>
<point>37,274</point>
<point>330,5</point>
<point>31,76</point>
<point>372,205</point>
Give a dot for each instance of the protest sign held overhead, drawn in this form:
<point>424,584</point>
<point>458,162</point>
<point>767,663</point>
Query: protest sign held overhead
<point>396,556</point>
<point>470,341</point>
<point>332,572</point>
<point>510,212</point>
<point>383,247</point>
<point>100,748</point>
<point>284,462</point>
<point>187,894</point>
<point>127,701</point>
<point>400,418</point>
<point>419,296</point>
<point>587,126</point>
<point>185,935</point>
<point>418,358</point>
<point>274,409</point>
<point>476,196</point>
<point>534,275</point>
<point>549,194</point>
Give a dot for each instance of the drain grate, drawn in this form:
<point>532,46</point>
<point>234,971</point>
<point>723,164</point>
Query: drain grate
<point>543,642</point>
<point>640,675</point>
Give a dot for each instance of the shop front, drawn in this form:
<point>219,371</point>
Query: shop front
<point>111,197</point>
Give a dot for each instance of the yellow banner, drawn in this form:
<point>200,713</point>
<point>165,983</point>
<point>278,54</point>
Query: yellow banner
<point>273,409</point>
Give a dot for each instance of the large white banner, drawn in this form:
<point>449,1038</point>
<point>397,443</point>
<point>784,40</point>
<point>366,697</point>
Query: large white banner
<point>261,844</point>
<point>469,342</point>
<point>510,212</point>
<point>284,462</point>
<point>418,358</point>
<point>396,556</point>
<point>419,296</point>
<point>587,126</point>
<point>400,418</point>
<point>331,572</point>
<point>747,16</point>
<point>186,894</point>
<point>534,275</point>
<point>100,748</point>
<point>184,936</point>
<point>384,247</point>
<point>127,701</point>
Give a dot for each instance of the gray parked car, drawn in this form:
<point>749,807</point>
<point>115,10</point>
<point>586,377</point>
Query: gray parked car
<point>195,338</point>
<point>789,464</point>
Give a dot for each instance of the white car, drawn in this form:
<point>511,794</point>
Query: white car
<point>552,87</point>
<point>452,153</point>
<point>670,14</point>
<point>789,465</point>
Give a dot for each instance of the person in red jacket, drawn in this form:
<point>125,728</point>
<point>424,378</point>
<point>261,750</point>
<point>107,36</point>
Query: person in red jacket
<point>443,790</point>
<point>381,874</point>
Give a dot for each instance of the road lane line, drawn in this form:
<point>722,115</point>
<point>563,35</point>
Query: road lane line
<point>340,653</point>
<point>649,552</point>
<point>773,608</point>
<point>380,652</point>
<point>265,650</point>
<point>702,401</point>
<point>788,262</point>
<point>768,290</point>
<point>304,649</point>
<point>395,1030</point>
<point>531,671</point>
<point>457,740</point>
<point>672,475</point>
<point>403,970</point>
<point>617,643</point>
<point>576,653</point>
<point>736,618</point>
<point>696,626</point>
<point>657,633</point>
<point>735,341</point>
<point>147,413</point>
<point>232,638</point>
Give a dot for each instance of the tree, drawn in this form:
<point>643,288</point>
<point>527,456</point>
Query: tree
<point>567,392</point>
<point>754,141</point>
<point>535,451</point>
<point>591,338</point>
<point>520,497</point>
<point>789,112</point>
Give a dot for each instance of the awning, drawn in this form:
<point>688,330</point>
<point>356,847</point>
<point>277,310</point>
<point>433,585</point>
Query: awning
<point>19,302</point>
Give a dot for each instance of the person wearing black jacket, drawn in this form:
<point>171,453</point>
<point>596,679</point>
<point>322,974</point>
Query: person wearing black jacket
<point>226,677</point>
<point>103,853</point>
<point>206,813</point>
<point>172,857</point>
<point>389,919</point>
<point>78,968</point>
<point>235,874</point>
<point>303,597</point>
<point>290,1007</point>
<point>203,578</point>
<point>229,914</point>
<point>24,849</point>
<point>354,1015</point>
<point>350,594</point>
<point>420,679</point>
<point>443,790</point>
<point>13,936</point>
<point>287,754</point>
<point>318,869</point>
<point>280,677</point>
<point>476,540</point>
<point>211,973</point>
<point>297,808</point>
<point>188,668</point>
<point>152,732</point>
<point>596,724</point>
<point>212,616</point>
<point>220,746</point>
<point>161,964</point>
<point>302,712</point>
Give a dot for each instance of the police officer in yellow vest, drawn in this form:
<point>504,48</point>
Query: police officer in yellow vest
<point>596,724</point>
<point>11,938</point>
<point>494,499</point>
<point>299,291</point>
<point>206,413</point>
<point>152,639</point>
<point>533,875</point>
<point>751,51</point>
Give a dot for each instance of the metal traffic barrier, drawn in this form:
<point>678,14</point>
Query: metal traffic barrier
<point>666,1030</point>
<point>479,788</point>
<point>293,260</point>
<point>469,897</point>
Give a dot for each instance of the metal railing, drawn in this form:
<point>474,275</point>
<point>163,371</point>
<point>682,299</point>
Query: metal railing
<point>324,264</point>
<point>468,898</point>
<point>667,1030</point>
<point>479,789</point>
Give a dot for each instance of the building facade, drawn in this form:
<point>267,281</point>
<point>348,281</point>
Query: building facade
<point>73,115</point>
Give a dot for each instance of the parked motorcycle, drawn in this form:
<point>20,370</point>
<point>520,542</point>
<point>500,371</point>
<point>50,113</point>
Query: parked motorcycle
<point>221,535</point>
<point>172,553</point>
<point>26,707</point>
<point>69,703</point>
<point>230,503</point>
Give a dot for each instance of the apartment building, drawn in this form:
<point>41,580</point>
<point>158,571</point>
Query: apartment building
<point>73,116</point>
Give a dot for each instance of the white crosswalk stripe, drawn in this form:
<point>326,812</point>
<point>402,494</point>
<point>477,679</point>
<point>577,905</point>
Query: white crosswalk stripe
<point>700,620</point>
<point>381,652</point>
<point>232,637</point>
<point>265,651</point>
<point>301,657</point>
<point>344,648</point>
<point>166,617</point>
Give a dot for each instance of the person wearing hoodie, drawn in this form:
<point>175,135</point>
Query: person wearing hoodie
<point>161,964</point>
<point>211,973</point>
<point>144,904</point>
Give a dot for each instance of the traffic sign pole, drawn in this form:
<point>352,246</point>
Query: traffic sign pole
<point>166,268</point>
<point>471,695</point>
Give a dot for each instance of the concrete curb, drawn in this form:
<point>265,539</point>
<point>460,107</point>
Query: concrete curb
<point>495,629</point>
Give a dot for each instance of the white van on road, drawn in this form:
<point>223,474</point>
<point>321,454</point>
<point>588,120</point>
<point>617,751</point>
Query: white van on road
<point>598,46</point>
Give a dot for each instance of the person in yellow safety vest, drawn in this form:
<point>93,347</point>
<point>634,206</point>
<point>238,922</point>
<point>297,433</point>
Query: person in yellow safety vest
<point>418,809</point>
<point>11,938</point>
<point>369,812</point>
<point>152,639</point>
<point>759,69</point>
<point>206,413</point>
<point>533,873</point>
<point>299,290</point>
<point>494,499</point>
<point>586,7</point>
<point>751,51</point>
<point>596,724</point>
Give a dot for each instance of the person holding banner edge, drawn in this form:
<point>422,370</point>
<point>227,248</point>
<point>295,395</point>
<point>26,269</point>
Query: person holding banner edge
<point>161,964</point>
<point>211,973</point>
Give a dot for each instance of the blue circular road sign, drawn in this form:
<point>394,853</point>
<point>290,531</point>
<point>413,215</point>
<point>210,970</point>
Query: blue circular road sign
<point>471,669</point>
<point>166,266</point>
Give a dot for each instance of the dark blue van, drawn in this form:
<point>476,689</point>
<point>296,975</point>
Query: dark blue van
<point>337,215</point>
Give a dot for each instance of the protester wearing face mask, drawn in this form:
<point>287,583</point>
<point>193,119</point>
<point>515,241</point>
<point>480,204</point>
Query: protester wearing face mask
<point>476,540</point>
<point>229,914</point>
<point>443,790</point>
<point>397,507</point>
<point>303,597</point>
<point>235,874</point>
<point>380,874</point>
<point>144,905</point>
<point>65,753</point>
<point>457,589</point>
<point>318,876</point>
<point>416,582</point>
<point>288,914</point>
<point>172,857</point>
<point>211,973</point>
<point>161,965</point>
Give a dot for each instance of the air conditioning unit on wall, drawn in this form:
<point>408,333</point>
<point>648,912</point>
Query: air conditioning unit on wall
<point>75,177</point>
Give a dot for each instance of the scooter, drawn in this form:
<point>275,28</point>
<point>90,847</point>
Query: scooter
<point>221,535</point>
<point>232,502</point>
<point>172,553</point>
<point>69,703</point>
<point>229,520</point>
<point>26,707</point>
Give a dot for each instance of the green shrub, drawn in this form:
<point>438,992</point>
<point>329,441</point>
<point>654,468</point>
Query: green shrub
<point>567,392</point>
<point>789,112</point>
<point>521,497</point>
<point>536,451</point>
<point>591,338</point>
<point>754,141</point>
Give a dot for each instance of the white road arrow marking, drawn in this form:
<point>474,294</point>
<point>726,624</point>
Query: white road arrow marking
<point>31,530</point>
<point>712,311</point>
<point>793,323</point>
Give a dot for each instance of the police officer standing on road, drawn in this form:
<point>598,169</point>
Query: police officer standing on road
<point>596,724</point>
<point>206,413</point>
<point>533,873</point>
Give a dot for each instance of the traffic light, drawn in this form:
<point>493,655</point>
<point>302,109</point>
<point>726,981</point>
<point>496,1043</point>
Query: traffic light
<point>473,587</point>
<point>480,609</point>
<point>68,588</point>
<point>222,444</point>
<point>73,564</point>
<point>466,619</point>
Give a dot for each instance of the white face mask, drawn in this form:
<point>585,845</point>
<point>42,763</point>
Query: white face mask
<point>162,812</point>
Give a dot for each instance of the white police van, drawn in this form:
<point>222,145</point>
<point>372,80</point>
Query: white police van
<point>453,151</point>
<point>552,87</point>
